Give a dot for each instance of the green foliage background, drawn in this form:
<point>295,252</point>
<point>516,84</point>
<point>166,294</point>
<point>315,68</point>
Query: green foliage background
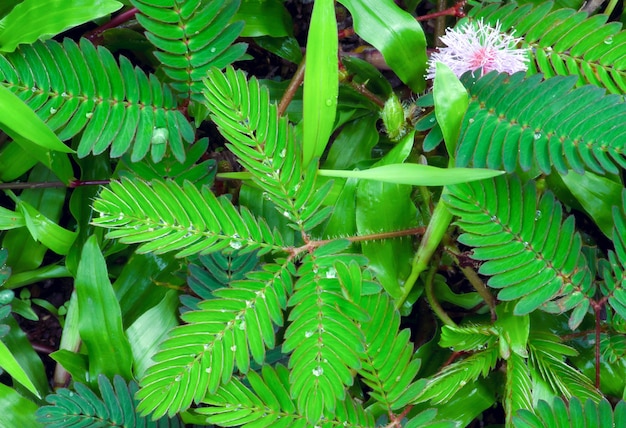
<point>361,275</point>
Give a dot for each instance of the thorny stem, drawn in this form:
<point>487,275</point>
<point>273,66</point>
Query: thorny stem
<point>429,289</point>
<point>295,83</point>
<point>312,245</point>
<point>123,17</point>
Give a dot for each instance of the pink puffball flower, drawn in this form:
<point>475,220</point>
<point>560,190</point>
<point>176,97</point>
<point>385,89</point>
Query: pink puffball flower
<point>476,45</point>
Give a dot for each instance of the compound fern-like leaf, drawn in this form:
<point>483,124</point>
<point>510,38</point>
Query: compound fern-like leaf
<point>528,250</point>
<point>213,271</point>
<point>565,42</point>
<point>511,123</point>
<point>267,403</point>
<point>322,333</point>
<point>192,36</point>
<point>614,271</point>
<point>221,335</point>
<point>547,361</point>
<point>167,217</point>
<point>265,145</point>
<point>81,88</point>
<point>572,414</point>
<point>116,408</point>
<point>388,365</point>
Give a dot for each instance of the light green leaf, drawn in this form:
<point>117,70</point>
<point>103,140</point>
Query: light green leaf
<point>396,34</point>
<point>514,331</point>
<point>46,231</point>
<point>416,175</point>
<point>321,81</point>
<point>451,101</point>
<point>12,367</point>
<point>597,195</point>
<point>264,18</point>
<point>16,118</point>
<point>17,411</point>
<point>100,318</point>
<point>10,219</point>
<point>390,259</point>
<point>35,19</point>
<point>150,329</point>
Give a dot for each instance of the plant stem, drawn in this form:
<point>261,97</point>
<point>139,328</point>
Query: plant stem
<point>52,184</point>
<point>458,11</point>
<point>311,245</point>
<point>295,83</point>
<point>95,35</point>
<point>429,290</point>
<point>437,228</point>
<point>475,280</point>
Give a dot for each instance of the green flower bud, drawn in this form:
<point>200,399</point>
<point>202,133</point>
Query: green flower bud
<point>393,118</point>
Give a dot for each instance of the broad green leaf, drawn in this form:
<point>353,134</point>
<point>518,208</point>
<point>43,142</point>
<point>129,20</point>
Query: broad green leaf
<point>10,219</point>
<point>416,175</point>
<point>100,318</point>
<point>29,361</point>
<point>321,81</point>
<point>151,328</point>
<point>386,207</point>
<point>46,231</point>
<point>353,143</point>
<point>15,162</point>
<point>12,367</point>
<point>264,18</point>
<point>451,101</point>
<point>17,411</point>
<point>75,364</point>
<point>56,161</point>
<point>396,34</point>
<point>597,195</point>
<point>25,253</point>
<point>514,331</point>
<point>134,287</point>
<point>36,19</point>
<point>16,118</point>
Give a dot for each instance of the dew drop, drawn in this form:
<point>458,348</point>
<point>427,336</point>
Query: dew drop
<point>494,218</point>
<point>308,334</point>
<point>208,370</point>
<point>537,135</point>
<point>331,273</point>
<point>52,110</point>
<point>282,153</point>
<point>471,120</point>
<point>212,50</point>
<point>286,214</point>
<point>608,41</point>
<point>329,102</point>
<point>177,378</point>
<point>242,325</point>
<point>537,215</point>
<point>526,244</point>
<point>233,348</point>
<point>235,245</point>
<point>64,95</point>
<point>317,372</point>
<point>88,115</point>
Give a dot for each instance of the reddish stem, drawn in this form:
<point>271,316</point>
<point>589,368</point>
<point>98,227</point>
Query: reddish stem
<point>458,11</point>
<point>95,35</point>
